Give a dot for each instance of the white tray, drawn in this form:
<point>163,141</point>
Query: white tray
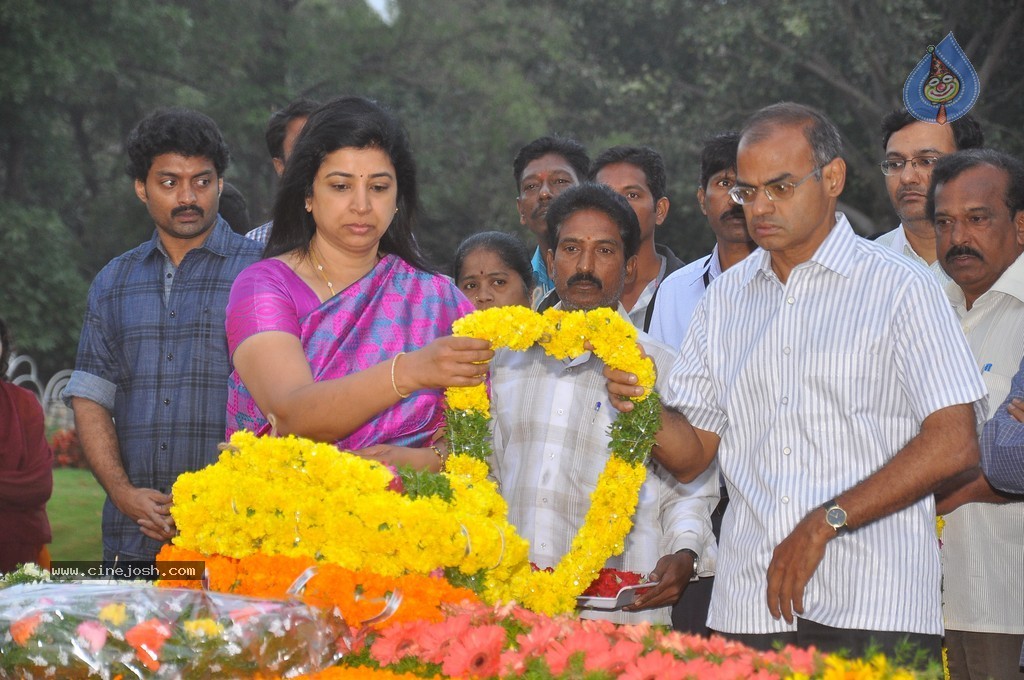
<point>624,597</point>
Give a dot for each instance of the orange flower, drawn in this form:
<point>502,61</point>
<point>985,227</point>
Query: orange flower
<point>22,629</point>
<point>148,638</point>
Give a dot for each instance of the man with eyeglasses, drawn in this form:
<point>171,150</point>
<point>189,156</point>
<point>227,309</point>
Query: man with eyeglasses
<point>912,147</point>
<point>829,379</point>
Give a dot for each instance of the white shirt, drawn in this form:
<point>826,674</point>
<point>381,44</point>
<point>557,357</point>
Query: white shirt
<point>638,314</point>
<point>680,292</point>
<point>813,385</point>
<point>896,240</point>
<point>551,422</point>
<point>983,543</point>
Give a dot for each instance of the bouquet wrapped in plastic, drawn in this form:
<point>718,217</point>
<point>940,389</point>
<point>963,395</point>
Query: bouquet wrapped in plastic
<point>107,631</point>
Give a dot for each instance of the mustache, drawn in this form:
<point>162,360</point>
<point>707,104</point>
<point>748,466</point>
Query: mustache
<point>958,251</point>
<point>584,278</point>
<point>736,212</point>
<point>187,208</point>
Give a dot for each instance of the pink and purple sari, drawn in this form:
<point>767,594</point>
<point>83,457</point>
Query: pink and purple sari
<point>395,308</point>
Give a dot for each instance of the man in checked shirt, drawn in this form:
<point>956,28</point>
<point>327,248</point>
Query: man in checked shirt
<point>149,390</point>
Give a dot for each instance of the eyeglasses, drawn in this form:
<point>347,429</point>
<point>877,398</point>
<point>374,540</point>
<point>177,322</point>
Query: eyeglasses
<point>776,191</point>
<point>896,165</point>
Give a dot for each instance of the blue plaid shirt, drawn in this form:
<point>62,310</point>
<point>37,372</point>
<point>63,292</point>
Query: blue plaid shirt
<point>153,352</point>
<point>1002,445</point>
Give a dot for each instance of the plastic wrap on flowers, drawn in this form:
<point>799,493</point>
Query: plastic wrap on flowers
<point>87,630</point>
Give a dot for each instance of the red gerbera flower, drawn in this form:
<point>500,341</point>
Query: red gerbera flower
<point>477,654</point>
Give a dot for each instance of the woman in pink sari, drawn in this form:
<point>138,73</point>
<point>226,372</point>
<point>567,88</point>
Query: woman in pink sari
<point>342,331</point>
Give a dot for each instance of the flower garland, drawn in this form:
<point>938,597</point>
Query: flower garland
<point>564,334</point>
<point>296,498</point>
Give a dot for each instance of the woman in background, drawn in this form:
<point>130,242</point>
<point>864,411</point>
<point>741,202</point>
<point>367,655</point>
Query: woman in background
<point>493,269</point>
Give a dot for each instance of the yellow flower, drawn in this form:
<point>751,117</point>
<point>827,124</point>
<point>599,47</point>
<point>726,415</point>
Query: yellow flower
<point>114,614</point>
<point>198,629</point>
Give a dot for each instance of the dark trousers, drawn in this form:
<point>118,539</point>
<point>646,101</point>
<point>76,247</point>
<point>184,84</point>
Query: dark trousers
<point>690,613</point>
<point>996,656</point>
<point>854,643</point>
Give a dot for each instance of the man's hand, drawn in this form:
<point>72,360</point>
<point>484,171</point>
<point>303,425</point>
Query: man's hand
<point>794,562</point>
<point>150,509</point>
<point>672,574</point>
<point>1016,409</point>
<point>622,385</point>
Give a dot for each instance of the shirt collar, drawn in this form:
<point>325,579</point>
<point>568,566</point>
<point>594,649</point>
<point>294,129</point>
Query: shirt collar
<point>837,253</point>
<point>218,242</point>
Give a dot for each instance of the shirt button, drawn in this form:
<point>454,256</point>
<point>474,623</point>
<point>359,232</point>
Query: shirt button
<point>785,350</point>
<point>173,314</point>
<point>790,300</point>
<point>163,446</point>
<point>785,400</point>
<point>543,545</point>
<point>560,411</point>
<point>167,402</point>
<point>787,451</point>
<point>785,499</point>
<point>551,456</point>
<point>543,500</point>
<point>169,356</point>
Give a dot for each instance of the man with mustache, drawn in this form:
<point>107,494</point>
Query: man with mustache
<point>638,175</point>
<point>828,378</point>
<point>149,390</point>
<point>551,420</point>
<point>912,147</point>
<point>680,292</point>
<point>976,203</point>
<point>543,169</point>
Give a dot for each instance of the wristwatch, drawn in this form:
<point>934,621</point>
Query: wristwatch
<point>696,563</point>
<point>836,517</point>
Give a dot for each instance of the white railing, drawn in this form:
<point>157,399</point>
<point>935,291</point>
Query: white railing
<point>22,371</point>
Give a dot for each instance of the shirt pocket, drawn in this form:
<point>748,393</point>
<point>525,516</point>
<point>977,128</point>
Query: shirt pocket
<point>841,385</point>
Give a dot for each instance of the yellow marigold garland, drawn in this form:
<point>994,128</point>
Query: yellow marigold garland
<point>296,498</point>
<point>564,334</point>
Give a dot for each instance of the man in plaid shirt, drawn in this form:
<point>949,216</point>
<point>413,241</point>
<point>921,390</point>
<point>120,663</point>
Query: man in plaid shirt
<point>149,390</point>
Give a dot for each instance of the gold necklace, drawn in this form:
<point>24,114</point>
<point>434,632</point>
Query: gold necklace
<point>320,270</point>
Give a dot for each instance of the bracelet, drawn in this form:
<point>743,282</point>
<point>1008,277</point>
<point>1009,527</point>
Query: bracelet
<point>393,383</point>
<point>440,456</point>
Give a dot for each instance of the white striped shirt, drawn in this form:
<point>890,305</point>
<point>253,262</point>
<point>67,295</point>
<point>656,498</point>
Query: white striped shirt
<point>983,543</point>
<point>812,386</point>
<point>551,422</point>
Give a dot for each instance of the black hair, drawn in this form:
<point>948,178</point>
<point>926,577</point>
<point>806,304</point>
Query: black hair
<point>233,209</point>
<point>277,124</point>
<point>346,122</point>
<point>643,157</point>
<point>569,149</point>
<point>953,165</point>
<point>821,133</point>
<point>509,248</point>
<point>967,133</point>
<point>594,196</point>
<point>718,154</point>
<point>175,130</point>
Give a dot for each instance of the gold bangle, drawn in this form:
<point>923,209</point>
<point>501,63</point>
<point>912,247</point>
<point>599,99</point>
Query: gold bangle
<point>440,456</point>
<point>393,383</point>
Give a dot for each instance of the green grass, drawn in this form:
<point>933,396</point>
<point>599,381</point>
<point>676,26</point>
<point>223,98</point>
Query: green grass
<point>75,512</point>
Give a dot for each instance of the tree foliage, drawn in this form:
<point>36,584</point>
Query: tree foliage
<point>472,80</point>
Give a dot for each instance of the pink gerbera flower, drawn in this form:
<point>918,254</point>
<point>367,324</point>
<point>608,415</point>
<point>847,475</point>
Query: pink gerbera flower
<point>615,658</point>
<point>395,643</point>
<point>653,666</point>
<point>475,655</point>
